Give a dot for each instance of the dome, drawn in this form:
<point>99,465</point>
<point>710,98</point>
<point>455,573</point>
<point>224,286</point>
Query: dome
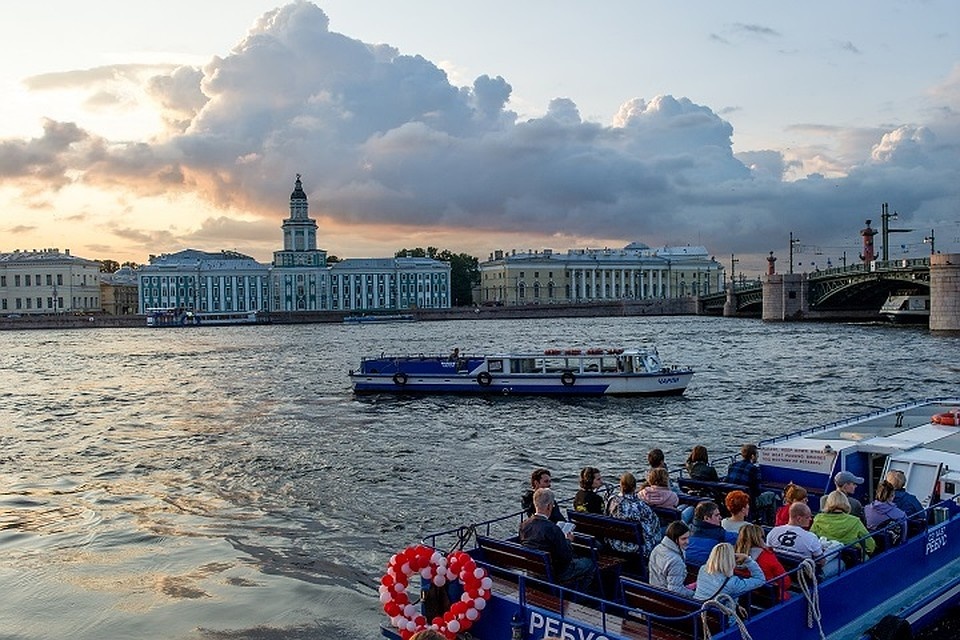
<point>298,193</point>
<point>633,246</point>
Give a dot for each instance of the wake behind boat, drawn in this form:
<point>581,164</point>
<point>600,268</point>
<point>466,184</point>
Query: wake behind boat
<point>571,372</point>
<point>911,578</point>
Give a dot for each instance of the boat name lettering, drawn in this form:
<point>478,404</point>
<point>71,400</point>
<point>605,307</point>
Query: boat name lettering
<point>448,365</point>
<point>668,380</point>
<point>936,538</point>
<point>565,630</point>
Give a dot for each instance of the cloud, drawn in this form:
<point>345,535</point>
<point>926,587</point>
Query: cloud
<point>20,228</point>
<point>386,140</point>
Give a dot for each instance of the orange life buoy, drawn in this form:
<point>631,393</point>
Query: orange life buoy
<point>951,418</point>
<point>425,563</point>
<point>572,352</point>
<point>594,352</point>
<point>552,352</point>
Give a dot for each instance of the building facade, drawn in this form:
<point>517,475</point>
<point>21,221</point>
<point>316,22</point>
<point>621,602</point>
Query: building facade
<point>119,292</point>
<point>48,281</point>
<point>635,272</point>
<point>204,281</point>
<point>299,279</point>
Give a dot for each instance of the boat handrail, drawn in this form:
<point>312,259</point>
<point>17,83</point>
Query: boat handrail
<point>860,418</point>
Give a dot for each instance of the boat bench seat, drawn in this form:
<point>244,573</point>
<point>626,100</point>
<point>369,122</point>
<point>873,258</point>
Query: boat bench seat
<point>698,490</point>
<point>666,515</point>
<point>606,528</point>
<point>514,557</point>
<point>668,615</point>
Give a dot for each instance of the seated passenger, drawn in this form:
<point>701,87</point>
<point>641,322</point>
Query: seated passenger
<point>847,483</point>
<point>539,479</point>
<point>626,505</point>
<point>746,471</point>
<point>750,541</point>
<point>792,493</point>
<point>656,460</point>
<point>537,532</point>
<point>738,504</point>
<point>707,532</point>
<point>907,502</point>
<point>587,499</point>
<point>836,523</point>
<point>882,511</point>
<point>698,465</point>
<point>668,569</point>
<point>657,492</point>
<point>717,575</point>
<point>792,540</point>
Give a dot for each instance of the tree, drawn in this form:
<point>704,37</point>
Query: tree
<point>464,271</point>
<point>108,266</point>
<point>332,259</point>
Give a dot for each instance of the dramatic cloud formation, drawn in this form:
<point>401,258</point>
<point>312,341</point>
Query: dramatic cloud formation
<point>384,139</point>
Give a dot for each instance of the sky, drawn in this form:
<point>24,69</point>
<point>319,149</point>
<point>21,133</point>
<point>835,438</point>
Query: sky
<point>131,129</point>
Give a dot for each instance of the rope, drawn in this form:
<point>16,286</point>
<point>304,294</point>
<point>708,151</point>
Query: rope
<point>728,605</point>
<point>807,579</point>
<point>463,537</point>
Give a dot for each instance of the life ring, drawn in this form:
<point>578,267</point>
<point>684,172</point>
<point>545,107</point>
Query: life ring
<point>484,379</point>
<point>552,352</point>
<point>594,352</point>
<point>433,566</point>
<point>567,378</point>
<point>400,378</point>
<point>572,352</point>
<point>951,418</point>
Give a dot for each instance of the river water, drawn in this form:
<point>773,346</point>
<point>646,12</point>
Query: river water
<point>224,483</point>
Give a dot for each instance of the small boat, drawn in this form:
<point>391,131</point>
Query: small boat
<point>184,317</point>
<point>906,309</point>
<point>569,372</point>
<point>906,584</point>
<point>379,319</point>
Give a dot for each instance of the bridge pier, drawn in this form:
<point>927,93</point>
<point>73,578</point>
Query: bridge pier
<point>945,292</point>
<point>786,296</point>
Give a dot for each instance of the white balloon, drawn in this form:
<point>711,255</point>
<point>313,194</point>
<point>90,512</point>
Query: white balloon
<point>479,604</point>
<point>385,597</point>
<point>486,583</point>
<point>453,625</point>
<point>478,573</point>
<point>399,587</point>
<point>439,580</point>
<point>466,597</point>
<point>411,626</point>
<point>435,558</point>
<point>472,614</point>
<point>405,569</point>
<point>426,573</point>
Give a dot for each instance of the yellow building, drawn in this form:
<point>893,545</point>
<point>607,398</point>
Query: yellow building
<point>635,272</point>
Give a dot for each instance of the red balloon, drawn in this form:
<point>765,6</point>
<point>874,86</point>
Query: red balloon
<point>437,621</point>
<point>392,609</point>
<point>387,580</point>
<point>465,624</point>
<point>401,598</point>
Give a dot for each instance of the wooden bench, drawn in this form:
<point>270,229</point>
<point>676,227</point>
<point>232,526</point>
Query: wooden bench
<point>604,529</point>
<point>502,554</point>
<point>709,490</point>
<point>666,515</point>
<point>666,614</point>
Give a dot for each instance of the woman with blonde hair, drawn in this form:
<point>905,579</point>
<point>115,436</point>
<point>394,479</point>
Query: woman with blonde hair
<point>717,576</point>
<point>791,493</point>
<point>751,541</point>
<point>836,523</point>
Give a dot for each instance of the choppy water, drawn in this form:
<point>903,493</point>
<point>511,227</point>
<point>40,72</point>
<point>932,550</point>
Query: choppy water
<point>224,483</point>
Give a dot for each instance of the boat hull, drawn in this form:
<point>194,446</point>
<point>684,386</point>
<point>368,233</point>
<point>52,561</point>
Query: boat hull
<point>668,384</point>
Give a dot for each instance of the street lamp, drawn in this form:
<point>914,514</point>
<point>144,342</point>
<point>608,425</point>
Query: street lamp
<point>733,271</point>
<point>930,239</point>
<point>793,242</point>
<point>885,230</point>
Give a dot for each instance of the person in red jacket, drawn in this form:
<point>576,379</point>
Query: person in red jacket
<point>751,541</point>
<point>791,493</point>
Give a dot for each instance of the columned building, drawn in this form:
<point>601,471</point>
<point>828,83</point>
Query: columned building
<point>299,276</point>
<point>48,281</point>
<point>361,284</point>
<point>204,281</point>
<point>635,272</point>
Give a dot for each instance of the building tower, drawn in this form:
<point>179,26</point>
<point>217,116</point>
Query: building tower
<point>868,255</point>
<point>300,270</point>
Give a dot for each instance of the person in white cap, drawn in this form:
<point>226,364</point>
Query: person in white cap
<point>847,482</point>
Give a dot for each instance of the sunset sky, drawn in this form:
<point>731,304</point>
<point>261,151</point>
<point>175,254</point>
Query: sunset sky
<point>135,128</point>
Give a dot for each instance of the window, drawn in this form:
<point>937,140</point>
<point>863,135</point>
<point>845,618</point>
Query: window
<point>3,281</point>
<point>49,279</point>
<point>26,280</point>
<point>59,278</point>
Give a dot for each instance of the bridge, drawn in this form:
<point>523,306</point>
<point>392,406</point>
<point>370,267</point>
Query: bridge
<point>852,292</point>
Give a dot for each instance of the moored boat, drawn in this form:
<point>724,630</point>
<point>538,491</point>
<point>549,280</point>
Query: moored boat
<point>568,372</point>
<point>906,309</point>
<point>911,579</point>
<point>184,317</point>
<point>379,319</point>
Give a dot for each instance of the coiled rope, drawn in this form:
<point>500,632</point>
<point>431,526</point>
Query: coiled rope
<point>728,605</point>
<point>807,579</point>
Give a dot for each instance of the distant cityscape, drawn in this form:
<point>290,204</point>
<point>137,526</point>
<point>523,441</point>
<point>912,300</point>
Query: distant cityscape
<point>301,279</point>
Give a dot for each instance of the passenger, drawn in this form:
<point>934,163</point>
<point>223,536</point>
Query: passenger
<point>907,502</point>
<point>847,482</point>
<point>792,540</point>
<point>707,532</point>
<point>428,634</point>
<point>587,499</point>
<point>836,522</point>
<point>746,472</point>
<point>883,511</point>
<point>792,493</point>
<point>626,505</point>
<point>539,479</point>
<point>537,532</point>
<point>717,575</point>
<point>750,541</point>
<point>738,504</point>
<point>668,569</point>
<point>657,492</point>
<point>698,465</point>
<point>656,460</point>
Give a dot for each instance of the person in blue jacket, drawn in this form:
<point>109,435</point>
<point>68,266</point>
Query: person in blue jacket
<point>707,533</point>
